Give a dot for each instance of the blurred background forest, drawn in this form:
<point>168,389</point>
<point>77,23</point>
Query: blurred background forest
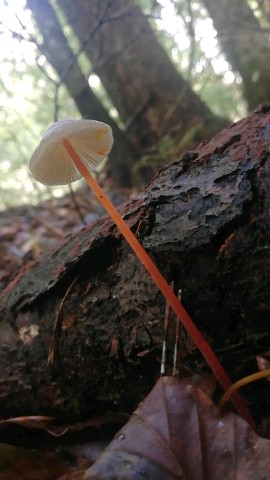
<point>165,74</point>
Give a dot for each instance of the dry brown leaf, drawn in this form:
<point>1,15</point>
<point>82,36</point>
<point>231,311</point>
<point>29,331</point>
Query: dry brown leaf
<point>178,433</point>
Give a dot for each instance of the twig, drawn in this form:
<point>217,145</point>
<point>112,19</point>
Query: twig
<point>176,357</point>
<point>240,383</point>
<point>76,205</point>
<point>166,331</point>
<point>49,226</point>
<point>57,325</point>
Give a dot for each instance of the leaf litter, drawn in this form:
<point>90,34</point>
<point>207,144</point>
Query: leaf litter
<point>178,433</point>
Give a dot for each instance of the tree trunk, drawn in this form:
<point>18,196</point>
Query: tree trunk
<point>205,222</point>
<point>152,98</point>
<point>60,56</point>
<point>245,44</point>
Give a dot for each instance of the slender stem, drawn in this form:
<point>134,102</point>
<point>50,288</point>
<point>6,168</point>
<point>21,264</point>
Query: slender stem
<point>165,338</point>
<point>161,283</point>
<point>176,355</point>
<point>240,383</point>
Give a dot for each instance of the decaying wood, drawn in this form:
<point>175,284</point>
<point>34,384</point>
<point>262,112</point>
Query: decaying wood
<point>205,222</point>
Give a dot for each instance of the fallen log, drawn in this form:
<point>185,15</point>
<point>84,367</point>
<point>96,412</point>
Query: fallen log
<point>205,222</point>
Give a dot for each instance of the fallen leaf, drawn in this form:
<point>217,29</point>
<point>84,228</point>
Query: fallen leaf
<point>177,433</point>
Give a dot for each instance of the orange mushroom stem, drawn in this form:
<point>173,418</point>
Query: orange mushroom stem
<point>161,283</point>
<point>69,150</point>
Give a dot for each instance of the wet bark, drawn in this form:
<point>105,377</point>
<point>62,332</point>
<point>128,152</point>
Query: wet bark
<point>205,222</point>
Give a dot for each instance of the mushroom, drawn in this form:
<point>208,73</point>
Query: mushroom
<point>69,150</point>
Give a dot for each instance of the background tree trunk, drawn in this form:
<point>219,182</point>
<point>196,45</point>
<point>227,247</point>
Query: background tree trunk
<point>58,53</point>
<point>205,222</point>
<point>245,44</point>
<point>137,73</point>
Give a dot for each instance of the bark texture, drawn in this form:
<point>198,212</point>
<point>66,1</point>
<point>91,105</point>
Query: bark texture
<point>205,221</point>
<point>137,73</point>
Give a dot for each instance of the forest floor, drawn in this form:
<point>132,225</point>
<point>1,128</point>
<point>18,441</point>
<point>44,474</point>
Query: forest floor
<point>28,231</point>
<point>43,449</point>
<point>215,443</point>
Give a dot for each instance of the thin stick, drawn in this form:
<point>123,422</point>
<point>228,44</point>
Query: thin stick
<point>76,205</point>
<point>165,338</point>
<point>161,283</point>
<point>240,383</point>
<point>176,345</point>
<point>57,323</point>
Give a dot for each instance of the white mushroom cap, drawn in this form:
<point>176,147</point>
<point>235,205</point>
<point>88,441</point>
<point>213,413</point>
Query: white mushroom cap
<point>50,163</point>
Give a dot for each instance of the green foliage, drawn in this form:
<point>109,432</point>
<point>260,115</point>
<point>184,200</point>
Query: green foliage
<point>194,49</point>
<point>28,84</point>
<point>27,104</point>
<point>165,152</point>
<point>261,9</point>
